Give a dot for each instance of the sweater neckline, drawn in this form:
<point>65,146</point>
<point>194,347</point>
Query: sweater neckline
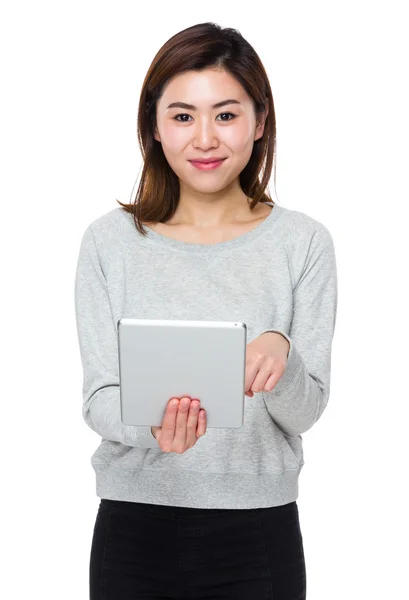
<point>239,240</point>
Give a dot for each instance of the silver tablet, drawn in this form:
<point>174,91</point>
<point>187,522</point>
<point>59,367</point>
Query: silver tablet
<point>161,359</point>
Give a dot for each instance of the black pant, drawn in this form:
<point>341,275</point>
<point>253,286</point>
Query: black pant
<point>147,551</point>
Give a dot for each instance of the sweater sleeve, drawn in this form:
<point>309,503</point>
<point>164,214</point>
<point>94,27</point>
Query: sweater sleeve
<point>300,396</point>
<point>98,343</point>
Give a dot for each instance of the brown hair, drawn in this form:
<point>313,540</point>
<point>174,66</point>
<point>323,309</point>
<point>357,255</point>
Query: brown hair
<point>206,45</point>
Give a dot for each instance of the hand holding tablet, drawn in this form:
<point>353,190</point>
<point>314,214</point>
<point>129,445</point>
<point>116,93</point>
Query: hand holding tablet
<point>183,424</point>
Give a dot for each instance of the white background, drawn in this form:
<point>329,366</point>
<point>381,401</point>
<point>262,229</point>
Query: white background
<point>71,76</point>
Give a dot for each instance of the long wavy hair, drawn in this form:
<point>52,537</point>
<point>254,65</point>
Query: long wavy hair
<point>202,46</point>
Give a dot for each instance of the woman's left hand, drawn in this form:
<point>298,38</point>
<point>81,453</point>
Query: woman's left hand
<point>266,360</point>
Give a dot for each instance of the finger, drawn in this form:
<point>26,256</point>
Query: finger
<point>260,380</point>
<point>275,376</point>
<point>272,381</point>
<point>181,420</point>
<point>269,380</point>
<point>191,425</point>
<point>202,423</point>
<point>250,375</point>
<point>169,421</point>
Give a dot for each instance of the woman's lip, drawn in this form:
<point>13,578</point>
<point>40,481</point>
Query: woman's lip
<point>206,162</point>
<point>203,166</point>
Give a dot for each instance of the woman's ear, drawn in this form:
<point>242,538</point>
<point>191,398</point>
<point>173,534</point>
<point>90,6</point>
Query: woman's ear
<point>261,123</point>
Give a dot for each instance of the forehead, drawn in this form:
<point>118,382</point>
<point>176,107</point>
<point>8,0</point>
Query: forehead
<point>202,88</point>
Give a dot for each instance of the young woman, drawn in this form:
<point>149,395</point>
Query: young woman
<point>187,512</point>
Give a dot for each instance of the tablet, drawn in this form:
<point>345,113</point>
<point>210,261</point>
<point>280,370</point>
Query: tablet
<point>162,359</point>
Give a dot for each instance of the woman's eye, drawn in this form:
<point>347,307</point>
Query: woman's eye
<point>186,115</point>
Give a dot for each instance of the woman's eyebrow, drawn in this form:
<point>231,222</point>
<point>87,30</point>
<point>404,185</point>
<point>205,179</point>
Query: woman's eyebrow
<point>191,107</point>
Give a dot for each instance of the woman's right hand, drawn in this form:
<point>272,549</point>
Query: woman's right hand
<point>182,425</point>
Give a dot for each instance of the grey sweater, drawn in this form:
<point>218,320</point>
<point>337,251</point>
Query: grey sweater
<point>280,276</point>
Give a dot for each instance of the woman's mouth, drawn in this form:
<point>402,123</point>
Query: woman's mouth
<point>206,166</point>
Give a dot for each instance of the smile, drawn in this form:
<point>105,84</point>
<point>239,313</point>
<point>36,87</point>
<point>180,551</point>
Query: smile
<point>206,166</point>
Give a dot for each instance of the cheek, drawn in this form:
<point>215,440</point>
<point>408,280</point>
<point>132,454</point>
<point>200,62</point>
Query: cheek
<point>173,138</point>
<point>239,139</point>
<point>173,144</point>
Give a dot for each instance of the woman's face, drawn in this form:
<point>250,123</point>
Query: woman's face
<point>186,134</point>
